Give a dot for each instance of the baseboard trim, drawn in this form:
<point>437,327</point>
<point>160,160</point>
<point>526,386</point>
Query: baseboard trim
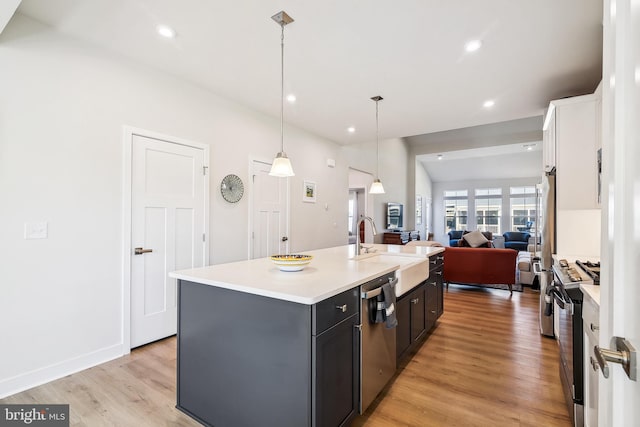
<point>44,375</point>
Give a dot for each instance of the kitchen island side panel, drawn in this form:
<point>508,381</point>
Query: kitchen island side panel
<point>243,359</point>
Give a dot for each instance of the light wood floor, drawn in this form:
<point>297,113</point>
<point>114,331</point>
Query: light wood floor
<point>485,364</point>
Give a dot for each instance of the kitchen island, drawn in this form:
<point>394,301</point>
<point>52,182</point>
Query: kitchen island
<point>258,346</point>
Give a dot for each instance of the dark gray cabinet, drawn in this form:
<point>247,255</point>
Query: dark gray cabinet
<point>436,270</point>
<point>410,312</point>
<point>418,310</point>
<point>336,374</point>
<point>417,302</point>
<point>403,330</point>
<point>249,360</point>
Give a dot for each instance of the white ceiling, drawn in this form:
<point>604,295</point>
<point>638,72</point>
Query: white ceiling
<point>490,163</point>
<point>339,53</point>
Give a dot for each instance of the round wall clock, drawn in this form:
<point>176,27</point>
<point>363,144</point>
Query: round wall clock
<point>232,188</point>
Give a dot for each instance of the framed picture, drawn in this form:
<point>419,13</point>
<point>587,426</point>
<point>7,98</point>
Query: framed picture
<point>309,192</point>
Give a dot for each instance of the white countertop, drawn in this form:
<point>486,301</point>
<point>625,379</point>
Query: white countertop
<point>332,271</point>
<point>593,291</point>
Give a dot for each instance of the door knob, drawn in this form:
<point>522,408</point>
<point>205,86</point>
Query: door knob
<point>625,355</point>
<point>140,251</point>
<point>284,238</point>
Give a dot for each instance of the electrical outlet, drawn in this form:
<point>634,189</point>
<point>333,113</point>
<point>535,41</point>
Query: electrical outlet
<point>36,230</point>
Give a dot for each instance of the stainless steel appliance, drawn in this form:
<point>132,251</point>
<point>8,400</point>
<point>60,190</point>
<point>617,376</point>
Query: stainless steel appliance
<point>377,346</point>
<point>567,306</point>
<point>548,247</point>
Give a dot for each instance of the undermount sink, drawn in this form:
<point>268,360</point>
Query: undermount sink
<point>412,271</point>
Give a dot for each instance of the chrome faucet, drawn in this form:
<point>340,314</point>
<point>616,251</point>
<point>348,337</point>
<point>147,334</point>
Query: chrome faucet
<point>373,227</point>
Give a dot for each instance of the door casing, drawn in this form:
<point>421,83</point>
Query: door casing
<point>127,246</point>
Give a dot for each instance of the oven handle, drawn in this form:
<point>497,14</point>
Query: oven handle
<point>561,302</point>
<point>557,298</point>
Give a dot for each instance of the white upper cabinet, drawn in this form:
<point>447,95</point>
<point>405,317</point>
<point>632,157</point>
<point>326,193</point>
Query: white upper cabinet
<point>571,142</point>
<point>549,140</point>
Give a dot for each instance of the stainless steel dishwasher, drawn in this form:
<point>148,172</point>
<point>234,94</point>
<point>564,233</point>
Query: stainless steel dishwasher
<point>377,346</point>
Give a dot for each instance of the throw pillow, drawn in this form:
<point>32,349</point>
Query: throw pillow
<point>475,239</point>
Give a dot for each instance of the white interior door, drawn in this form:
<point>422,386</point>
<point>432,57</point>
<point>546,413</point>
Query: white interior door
<point>619,403</point>
<point>269,235</point>
<point>168,226</point>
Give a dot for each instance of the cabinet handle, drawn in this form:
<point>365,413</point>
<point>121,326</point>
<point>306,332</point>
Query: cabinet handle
<point>415,300</point>
<point>434,262</point>
<point>440,258</point>
<point>439,273</point>
<point>433,312</point>
<point>342,308</point>
<point>594,327</point>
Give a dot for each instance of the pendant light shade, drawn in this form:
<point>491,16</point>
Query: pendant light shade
<point>376,187</point>
<point>281,166</point>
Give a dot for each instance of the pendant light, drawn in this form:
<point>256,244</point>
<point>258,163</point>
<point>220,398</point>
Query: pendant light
<point>281,166</point>
<point>376,186</point>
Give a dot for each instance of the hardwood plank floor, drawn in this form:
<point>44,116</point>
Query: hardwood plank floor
<point>485,364</point>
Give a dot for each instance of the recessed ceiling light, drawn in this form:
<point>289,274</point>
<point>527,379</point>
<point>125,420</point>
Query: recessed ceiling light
<point>489,103</point>
<point>529,147</point>
<point>291,98</point>
<point>351,129</point>
<point>472,45</point>
<point>166,31</point>
<point>440,156</point>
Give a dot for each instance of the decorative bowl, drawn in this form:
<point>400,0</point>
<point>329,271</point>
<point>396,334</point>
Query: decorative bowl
<point>291,262</point>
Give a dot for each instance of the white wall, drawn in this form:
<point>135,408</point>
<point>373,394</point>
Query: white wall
<point>438,201</point>
<point>394,156</point>
<point>63,105</point>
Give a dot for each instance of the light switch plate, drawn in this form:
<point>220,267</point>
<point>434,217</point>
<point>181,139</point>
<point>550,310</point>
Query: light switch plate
<point>36,230</point>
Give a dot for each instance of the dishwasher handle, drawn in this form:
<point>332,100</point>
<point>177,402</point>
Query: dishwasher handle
<point>377,291</point>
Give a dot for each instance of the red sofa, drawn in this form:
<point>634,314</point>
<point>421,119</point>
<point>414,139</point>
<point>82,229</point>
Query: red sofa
<point>480,266</point>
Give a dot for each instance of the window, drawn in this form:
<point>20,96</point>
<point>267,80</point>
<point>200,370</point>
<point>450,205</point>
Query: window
<point>488,209</point>
<point>523,208</point>
<point>456,206</point>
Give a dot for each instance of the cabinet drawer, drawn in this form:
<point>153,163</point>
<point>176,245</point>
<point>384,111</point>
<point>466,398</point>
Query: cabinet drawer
<point>334,310</point>
<point>435,261</point>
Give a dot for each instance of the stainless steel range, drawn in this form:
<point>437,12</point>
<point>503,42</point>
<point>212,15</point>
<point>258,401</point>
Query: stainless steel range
<point>567,312</point>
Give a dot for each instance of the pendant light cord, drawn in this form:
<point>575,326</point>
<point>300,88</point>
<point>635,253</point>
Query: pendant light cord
<point>377,146</point>
<point>282,89</point>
